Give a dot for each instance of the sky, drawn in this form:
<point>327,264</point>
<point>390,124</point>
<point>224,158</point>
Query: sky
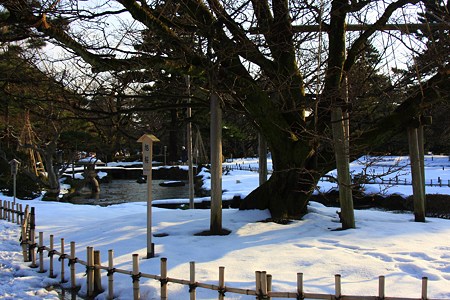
<point>383,243</point>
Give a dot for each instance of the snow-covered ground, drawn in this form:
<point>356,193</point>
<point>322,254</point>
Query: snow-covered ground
<point>383,243</point>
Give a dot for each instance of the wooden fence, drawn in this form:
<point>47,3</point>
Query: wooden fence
<point>367,179</point>
<point>34,253</point>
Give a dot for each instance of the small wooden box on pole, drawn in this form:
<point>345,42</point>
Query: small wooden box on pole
<point>147,141</point>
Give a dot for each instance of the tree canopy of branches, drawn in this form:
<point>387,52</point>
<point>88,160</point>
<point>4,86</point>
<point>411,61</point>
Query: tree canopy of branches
<point>251,54</point>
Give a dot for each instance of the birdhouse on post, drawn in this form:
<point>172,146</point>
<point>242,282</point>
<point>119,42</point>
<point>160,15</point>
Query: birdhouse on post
<point>14,166</point>
<point>147,141</point>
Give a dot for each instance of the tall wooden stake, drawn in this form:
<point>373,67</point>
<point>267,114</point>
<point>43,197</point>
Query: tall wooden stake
<point>343,169</point>
<point>216,165</point>
<point>416,175</point>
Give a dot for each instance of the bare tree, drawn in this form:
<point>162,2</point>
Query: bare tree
<point>254,50</point>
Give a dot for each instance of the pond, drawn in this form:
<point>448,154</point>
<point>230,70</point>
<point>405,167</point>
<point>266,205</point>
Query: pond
<point>127,190</point>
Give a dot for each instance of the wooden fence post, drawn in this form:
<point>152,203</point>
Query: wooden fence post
<point>61,258</point>
<point>192,286</point>
<point>136,275</point>
<point>269,285</point>
<point>163,278</point>
<point>19,214</point>
<point>24,243</point>
<point>424,288</point>
<point>221,283</point>
<point>337,281</point>
<point>50,255</point>
<point>381,284</point>
<point>110,274</point>
<point>41,252</point>
<point>300,285</point>
<point>8,209</point>
<point>257,283</point>
<point>72,263</point>
<point>32,238</point>
<point>97,273</point>
<point>1,210</point>
<point>13,212</point>
<point>90,271</point>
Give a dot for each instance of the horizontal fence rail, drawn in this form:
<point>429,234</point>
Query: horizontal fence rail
<point>34,252</point>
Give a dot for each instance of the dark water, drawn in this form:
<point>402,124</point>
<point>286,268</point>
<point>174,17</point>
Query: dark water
<point>128,190</point>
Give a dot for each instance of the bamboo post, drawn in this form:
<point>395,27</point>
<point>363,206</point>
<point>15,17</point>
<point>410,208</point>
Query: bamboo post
<point>97,273</point>
<point>300,285</point>
<point>19,213</point>
<point>32,244</point>
<point>24,243</point>
<point>135,275</point>
<point>73,283</point>
<point>192,286</point>
<point>32,238</point>
<point>61,258</point>
<point>258,283</point>
<point>337,282</point>
<point>50,255</point>
<point>41,252</point>
<point>90,271</point>
<point>424,288</point>
<point>164,278</point>
<point>381,284</point>
<point>221,283</point>
<point>8,209</point>
<point>110,274</point>
<point>263,291</point>
<point>13,212</point>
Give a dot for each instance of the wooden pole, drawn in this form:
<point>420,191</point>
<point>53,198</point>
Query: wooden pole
<point>51,275</point>
<point>41,252</point>
<point>416,175</point>
<point>192,287</point>
<point>221,283</point>
<point>343,169</point>
<point>97,273</point>
<point>19,213</point>
<point>73,282</point>
<point>300,285</point>
<point>263,291</point>
<point>216,165</point>
<point>24,243</point>
<point>90,271</point>
<point>164,278</point>
<point>381,285</point>
<point>258,284</point>
<point>189,145</point>
<point>424,287</point>
<point>8,209</point>
<point>269,285</point>
<point>110,274</point>
<point>63,265</point>
<point>337,283</point>
<point>32,245</point>
<point>135,276</point>
<point>13,212</point>
<point>421,142</point>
